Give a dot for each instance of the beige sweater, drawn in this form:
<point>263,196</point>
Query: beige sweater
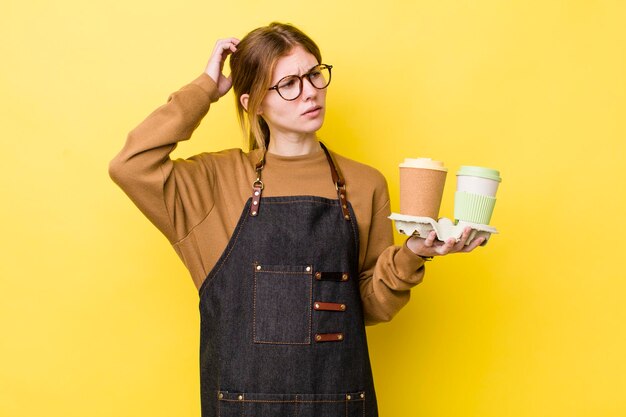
<point>196,203</point>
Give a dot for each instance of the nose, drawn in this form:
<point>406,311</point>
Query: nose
<point>308,91</point>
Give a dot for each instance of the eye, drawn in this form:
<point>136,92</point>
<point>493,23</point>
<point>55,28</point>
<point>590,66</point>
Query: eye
<point>288,83</point>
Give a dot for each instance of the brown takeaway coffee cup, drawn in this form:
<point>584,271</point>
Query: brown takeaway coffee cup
<point>421,187</point>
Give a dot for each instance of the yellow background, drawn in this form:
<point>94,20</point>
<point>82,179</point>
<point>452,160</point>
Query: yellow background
<point>98,317</point>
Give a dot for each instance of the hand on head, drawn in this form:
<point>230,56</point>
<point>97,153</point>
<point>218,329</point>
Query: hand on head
<point>215,66</point>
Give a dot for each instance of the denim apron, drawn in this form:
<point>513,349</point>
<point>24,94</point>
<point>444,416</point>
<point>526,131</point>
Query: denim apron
<point>282,329</point>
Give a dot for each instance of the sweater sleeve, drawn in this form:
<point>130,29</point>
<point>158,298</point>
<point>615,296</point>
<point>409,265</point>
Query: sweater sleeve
<point>155,183</point>
<point>389,272</point>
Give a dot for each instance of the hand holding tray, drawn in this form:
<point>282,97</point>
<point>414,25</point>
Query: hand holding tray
<point>445,228</point>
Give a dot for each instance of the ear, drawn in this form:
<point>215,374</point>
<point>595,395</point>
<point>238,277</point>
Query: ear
<point>244,100</point>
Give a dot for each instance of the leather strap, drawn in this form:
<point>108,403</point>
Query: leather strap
<point>321,306</point>
<point>328,337</point>
<point>340,184</point>
<point>257,187</point>
<point>332,276</point>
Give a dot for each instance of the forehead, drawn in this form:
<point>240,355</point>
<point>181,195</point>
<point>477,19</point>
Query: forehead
<point>298,62</point>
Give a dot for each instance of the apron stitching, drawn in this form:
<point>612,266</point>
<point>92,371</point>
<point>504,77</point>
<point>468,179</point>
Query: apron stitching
<point>223,261</point>
<point>287,401</point>
<point>362,400</point>
<point>254,307</point>
<point>329,203</point>
<point>310,305</point>
<point>356,237</point>
<point>295,409</point>
<point>267,342</point>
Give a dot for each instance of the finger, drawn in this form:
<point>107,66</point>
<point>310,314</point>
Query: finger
<point>227,41</point>
<point>231,45</point>
<point>224,47</point>
<point>474,244</point>
<point>446,247</point>
<point>234,43</point>
<point>430,239</point>
<point>460,244</point>
<point>465,235</point>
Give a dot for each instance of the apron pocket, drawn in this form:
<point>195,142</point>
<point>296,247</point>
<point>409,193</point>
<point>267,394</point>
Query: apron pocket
<point>282,304</point>
<point>302,405</point>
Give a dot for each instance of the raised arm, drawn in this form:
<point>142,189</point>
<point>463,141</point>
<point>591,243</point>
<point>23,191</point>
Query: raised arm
<point>143,168</point>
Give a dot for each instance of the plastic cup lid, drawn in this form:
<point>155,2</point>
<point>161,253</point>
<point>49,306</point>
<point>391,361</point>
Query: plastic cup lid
<point>482,172</point>
<point>426,163</point>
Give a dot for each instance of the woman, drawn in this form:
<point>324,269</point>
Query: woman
<point>289,244</point>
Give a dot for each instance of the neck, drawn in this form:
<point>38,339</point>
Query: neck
<point>293,145</point>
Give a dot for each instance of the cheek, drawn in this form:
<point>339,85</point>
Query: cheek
<point>282,110</point>
<point>273,106</point>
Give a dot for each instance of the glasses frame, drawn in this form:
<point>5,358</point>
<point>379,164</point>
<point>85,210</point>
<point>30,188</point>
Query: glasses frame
<point>307,75</point>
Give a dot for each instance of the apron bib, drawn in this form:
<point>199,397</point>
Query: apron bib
<point>282,329</point>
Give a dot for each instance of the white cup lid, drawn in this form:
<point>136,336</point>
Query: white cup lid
<point>425,163</point>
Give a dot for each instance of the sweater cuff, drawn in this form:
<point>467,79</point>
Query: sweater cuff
<point>406,259</point>
<point>206,83</point>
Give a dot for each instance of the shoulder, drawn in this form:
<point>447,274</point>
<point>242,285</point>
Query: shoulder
<point>359,174</point>
<point>235,158</point>
<point>366,186</point>
<point>228,166</point>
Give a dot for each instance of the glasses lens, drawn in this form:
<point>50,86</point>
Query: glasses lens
<point>320,76</point>
<point>289,87</point>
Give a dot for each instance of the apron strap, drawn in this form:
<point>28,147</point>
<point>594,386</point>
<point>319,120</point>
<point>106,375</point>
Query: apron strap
<point>340,184</point>
<point>257,187</point>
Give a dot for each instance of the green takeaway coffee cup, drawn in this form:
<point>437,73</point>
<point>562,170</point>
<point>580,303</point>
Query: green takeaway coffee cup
<point>475,195</point>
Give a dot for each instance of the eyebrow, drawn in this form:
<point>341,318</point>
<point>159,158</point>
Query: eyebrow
<point>290,75</point>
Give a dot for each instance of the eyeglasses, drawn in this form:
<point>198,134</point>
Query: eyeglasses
<point>290,87</point>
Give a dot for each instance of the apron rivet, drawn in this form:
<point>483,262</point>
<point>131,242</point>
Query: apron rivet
<point>258,267</point>
<point>362,395</point>
<point>317,306</point>
<point>346,217</point>
<point>344,277</point>
<point>318,275</point>
<point>308,269</point>
<point>255,202</point>
<point>348,397</point>
<point>256,193</point>
<point>318,337</point>
<point>343,307</point>
<point>240,397</point>
<point>220,395</point>
<point>339,337</point>
<point>254,213</point>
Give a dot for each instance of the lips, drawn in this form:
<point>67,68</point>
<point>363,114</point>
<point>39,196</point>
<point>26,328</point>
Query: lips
<point>312,110</point>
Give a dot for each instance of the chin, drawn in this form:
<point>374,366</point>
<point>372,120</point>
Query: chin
<point>316,125</point>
